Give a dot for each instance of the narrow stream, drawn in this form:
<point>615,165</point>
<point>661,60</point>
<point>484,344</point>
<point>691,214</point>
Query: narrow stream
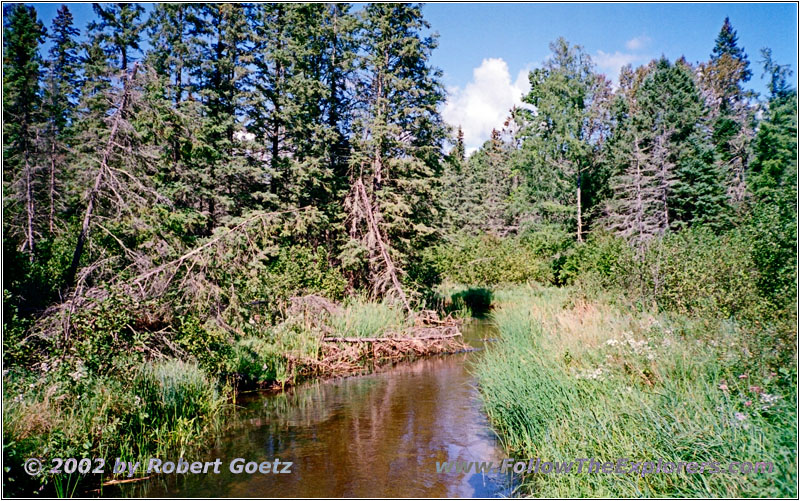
<point>377,435</point>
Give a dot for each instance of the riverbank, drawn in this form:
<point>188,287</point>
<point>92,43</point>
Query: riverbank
<point>123,397</point>
<point>602,377</point>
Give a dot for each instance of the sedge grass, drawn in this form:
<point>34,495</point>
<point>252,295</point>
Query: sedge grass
<point>569,381</point>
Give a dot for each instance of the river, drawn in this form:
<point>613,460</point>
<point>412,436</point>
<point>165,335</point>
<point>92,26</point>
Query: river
<point>375,435</point>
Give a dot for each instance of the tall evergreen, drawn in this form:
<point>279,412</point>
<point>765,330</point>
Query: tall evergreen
<point>666,175</point>
<point>397,141</point>
<point>299,108</point>
<point>226,178</point>
<point>22,68</point>
<point>774,166</point>
<point>730,113</point>
<point>118,29</point>
<point>61,94</point>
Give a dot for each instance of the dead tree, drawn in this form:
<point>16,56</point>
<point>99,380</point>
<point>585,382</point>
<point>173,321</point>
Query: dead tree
<point>116,120</point>
<point>365,227</point>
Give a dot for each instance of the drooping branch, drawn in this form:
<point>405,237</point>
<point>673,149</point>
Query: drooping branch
<point>375,238</point>
<point>116,120</point>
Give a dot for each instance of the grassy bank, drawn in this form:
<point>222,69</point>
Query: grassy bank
<point>119,392</point>
<point>605,378</point>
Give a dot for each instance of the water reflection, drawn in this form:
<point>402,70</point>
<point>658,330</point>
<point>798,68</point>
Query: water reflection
<point>378,435</point>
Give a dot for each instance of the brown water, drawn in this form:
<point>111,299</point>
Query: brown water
<point>377,435</point>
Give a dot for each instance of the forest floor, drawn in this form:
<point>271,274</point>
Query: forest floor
<point>576,377</point>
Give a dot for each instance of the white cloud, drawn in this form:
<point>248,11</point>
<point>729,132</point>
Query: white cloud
<point>610,64</point>
<point>638,43</point>
<point>484,103</point>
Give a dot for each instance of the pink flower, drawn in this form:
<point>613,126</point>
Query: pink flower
<point>755,389</point>
<point>723,387</point>
<point>742,376</point>
<point>748,403</point>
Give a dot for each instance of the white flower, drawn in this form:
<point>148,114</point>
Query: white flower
<point>740,416</point>
<point>612,342</point>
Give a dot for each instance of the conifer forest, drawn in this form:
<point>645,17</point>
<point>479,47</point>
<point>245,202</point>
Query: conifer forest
<point>204,202</point>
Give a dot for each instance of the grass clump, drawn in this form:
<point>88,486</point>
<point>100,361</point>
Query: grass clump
<point>572,379</point>
<point>165,406</point>
<point>360,318</point>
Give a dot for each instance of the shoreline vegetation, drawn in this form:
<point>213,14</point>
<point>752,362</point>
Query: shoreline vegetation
<point>577,375</point>
<point>194,219</point>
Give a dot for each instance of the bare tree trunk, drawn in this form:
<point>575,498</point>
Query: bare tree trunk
<point>29,207</point>
<point>98,180</point>
<point>580,218</point>
<point>52,190</point>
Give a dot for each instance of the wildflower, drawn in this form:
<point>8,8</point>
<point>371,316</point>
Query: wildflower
<point>756,389</point>
<point>770,399</point>
<point>651,356</point>
<point>612,342</point>
<point>723,386</point>
<point>748,403</point>
<point>740,416</point>
<point>742,376</point>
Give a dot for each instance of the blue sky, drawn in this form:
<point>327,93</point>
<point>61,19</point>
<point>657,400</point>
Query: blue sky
<point>485,50</point>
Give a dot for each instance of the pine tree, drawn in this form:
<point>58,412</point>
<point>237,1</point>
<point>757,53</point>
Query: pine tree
<point>731,117</point>
<point>558,140</point>
<point>397,140</point>
<point>22,63</point>
<point>61,96</point>
<point>118,30</point>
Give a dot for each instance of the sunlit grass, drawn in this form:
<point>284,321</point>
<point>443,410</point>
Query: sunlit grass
<point>571,380</point>
<point>362,318</point>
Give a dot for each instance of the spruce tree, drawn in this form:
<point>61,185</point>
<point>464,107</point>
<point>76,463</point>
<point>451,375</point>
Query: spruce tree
<point>666,176</point>
<point>118,30</point>
<point>774,166</point>
<point>22,67</point>
<point>397,141</point>
<point>61,94</point>
<point>227,174</point>
<point>731,116</point>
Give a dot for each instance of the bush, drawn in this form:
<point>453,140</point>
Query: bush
<point>489,260</point>
<point>604,261</point>
<point>697,271</point>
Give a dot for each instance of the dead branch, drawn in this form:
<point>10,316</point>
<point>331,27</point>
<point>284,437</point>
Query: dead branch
<point>387,339</point>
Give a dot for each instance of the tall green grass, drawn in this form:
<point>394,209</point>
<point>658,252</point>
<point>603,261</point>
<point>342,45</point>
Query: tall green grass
<point>362,318</point>
<point>163,407</point>
<point>573,380</point>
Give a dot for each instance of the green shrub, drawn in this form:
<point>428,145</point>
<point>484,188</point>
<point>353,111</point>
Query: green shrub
<point>700,272</point>
<point>489,260</point>
<point>604,260</point>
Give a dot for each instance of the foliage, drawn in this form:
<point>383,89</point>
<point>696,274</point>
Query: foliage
<point>489,260</point>
<point>651,385</point>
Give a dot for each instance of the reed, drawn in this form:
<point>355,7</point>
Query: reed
<point>571,380</point>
